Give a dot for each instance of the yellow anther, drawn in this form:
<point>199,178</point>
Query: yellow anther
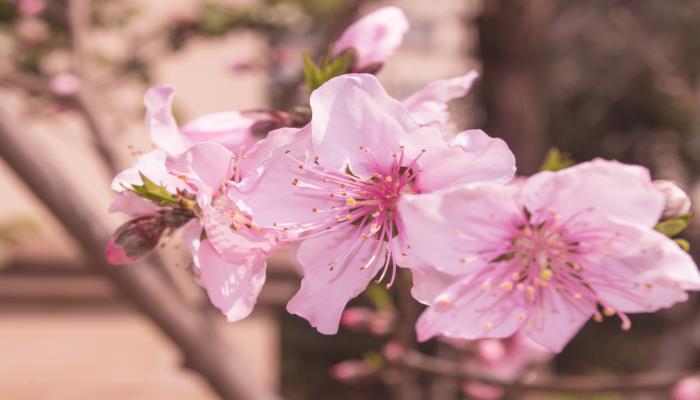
<point>349,217</point>
<point>608,311</point>
<point>295,181</point>
<point>488,326</point>
<point>597,317</point>
<point>388,179</point>
<point>486,286</point>
<point>315,210</point>
<point>530,293</point>
<point>507,286</point>
<point>546,274</point>
<point>350,202</point>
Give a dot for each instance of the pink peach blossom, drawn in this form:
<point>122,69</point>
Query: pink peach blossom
<point>373,38</point>
<point>337,185</point>
<point>545,257</point>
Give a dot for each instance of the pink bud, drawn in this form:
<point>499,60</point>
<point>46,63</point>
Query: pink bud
<point>677,201</point>
<point>134,239</point>
<point>687,389</point>
<point>30,8</point>
<point>351,370</point>
<point>491,350</point>
<point>394,350</point>
<point>65,84</point>
<point>356,317</point>
<point>482,391</point>
<point>373,38</point>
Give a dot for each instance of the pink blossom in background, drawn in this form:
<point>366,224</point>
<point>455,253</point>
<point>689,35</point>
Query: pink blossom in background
<point>677,202</point>
<point>373,38</point>
<point>30,8</point>
<point>65,84</point>
<point>428,106</point>
<point>687,389</point>
<point>507,359</point>
<point>338,184</point>
<point>545,257</point>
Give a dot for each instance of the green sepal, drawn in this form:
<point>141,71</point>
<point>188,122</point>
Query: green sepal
<point>330,67</point>
<point>556,160</point>
<point>683,244</point>
<point>674,226</point>
<point>154,192</point>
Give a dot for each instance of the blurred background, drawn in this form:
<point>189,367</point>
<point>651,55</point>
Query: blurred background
<point>616,79</point>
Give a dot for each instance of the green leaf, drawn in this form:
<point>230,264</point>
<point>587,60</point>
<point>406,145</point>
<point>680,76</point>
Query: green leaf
<point>154,192</point>
<point>330,67</point>
<point>674,226</point>
<point>683,244</point>
<point>556,160</point>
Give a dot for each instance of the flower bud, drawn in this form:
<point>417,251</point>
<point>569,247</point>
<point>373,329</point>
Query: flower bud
<point>687,389</point>
<point>134,239</point>
<point>352,370</point>
<point>677,201</point>
<point>373,38</point>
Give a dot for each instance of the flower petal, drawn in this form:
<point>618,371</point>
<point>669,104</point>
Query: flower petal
<point>458,230</point>
<point>324,292</point>
<point>232,285</point>
<point>644,272</point>
<point>608,188</point>
<point>374,37</point>
<point>353,111</point>
<point>207,165</point>
<point>230,129</point>
<point>471,157</point>
<point>558,321</point>
<point>132,205</point>
<point>160,121</point>
<point>464,311</point>
<point>428,106</point>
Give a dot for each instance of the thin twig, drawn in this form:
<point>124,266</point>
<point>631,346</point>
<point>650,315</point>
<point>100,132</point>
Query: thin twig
<point>642,382</point>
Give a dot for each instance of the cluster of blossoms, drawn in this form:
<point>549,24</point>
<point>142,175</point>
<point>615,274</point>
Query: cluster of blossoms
<point>368,184</point>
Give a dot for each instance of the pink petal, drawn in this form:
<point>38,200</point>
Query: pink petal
<point>444,229</point>
<point>191,237</point>
<point>353,111</point>
<point>324,293</point>
<point>645,271</point>
<point>609,188</point>
<point>259,153</point>
<point>160,121</point>
<point>132,205</point>
<point>558,321</point>
<point>116,255</point>
<point>207,165</point>
<point>273,199</point>
<point>228,234</point>
<point>152,165</point>
<point>232,285</point>
<point>464,311</point>
<point>231,129</point>
<point>428,106</point>
<point>428,283</point>
<point>374,37</point>
<point>471,157</point>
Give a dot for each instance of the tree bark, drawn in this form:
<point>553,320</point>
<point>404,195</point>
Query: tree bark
<point>512,45</point>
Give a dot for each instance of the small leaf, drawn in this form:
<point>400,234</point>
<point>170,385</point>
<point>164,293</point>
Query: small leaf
<point>556,160</point>
<point>312,73</point>
<point>154,192</point>
<point>674,226</point>
<point>330,67</point>
<point>684,244</point>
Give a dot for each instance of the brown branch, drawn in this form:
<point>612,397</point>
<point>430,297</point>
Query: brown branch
<point>203,350</point>
<point>642,382</point>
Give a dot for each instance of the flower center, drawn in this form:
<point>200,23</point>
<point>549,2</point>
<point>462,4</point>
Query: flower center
<point>364,206</point>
